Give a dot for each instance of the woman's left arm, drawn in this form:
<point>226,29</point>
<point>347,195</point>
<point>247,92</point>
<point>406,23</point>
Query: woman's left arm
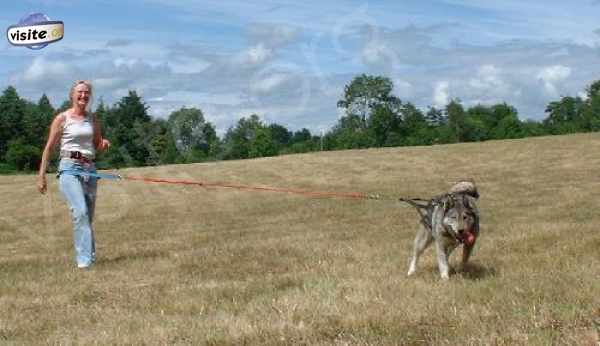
<point>101,144</point>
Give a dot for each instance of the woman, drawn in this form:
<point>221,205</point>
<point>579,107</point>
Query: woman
<point>80,139</point>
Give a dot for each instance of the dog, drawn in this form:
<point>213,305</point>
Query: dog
<point>448,220</point>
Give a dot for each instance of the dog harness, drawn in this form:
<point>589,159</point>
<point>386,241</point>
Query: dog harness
<point>425,209</point>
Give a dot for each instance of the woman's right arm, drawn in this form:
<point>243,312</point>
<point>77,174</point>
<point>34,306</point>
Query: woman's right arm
<point>53,138</point>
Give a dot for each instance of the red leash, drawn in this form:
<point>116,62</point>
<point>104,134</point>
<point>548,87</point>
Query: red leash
<point>350,195</point>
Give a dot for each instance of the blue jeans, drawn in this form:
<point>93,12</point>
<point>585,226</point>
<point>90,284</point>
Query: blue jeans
<point>79,192</point>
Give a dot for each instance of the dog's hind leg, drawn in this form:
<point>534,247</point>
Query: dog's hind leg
<point>422,241</point>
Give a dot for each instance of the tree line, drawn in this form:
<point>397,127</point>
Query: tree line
<point>373,117</point>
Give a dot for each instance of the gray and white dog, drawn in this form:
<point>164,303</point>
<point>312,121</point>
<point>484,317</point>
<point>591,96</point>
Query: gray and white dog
<point>450,220</point>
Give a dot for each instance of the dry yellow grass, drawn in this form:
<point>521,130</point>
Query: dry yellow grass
<point>188,265</point>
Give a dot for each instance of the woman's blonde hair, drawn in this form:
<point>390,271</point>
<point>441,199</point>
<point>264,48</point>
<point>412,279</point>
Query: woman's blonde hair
<point>86,83</point>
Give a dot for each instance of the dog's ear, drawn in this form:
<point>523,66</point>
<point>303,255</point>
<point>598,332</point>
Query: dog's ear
<point>471,203</point>
<point>448,202</point>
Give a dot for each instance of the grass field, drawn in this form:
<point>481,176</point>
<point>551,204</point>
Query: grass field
<point>192,265</point>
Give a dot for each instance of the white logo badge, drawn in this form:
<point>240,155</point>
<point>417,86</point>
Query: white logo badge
<point>35,31</point>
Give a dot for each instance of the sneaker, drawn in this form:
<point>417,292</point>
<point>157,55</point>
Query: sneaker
<point>83,266</point>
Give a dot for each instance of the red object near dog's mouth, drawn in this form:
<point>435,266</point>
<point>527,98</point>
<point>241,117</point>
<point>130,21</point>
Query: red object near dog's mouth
<point>468,238</point>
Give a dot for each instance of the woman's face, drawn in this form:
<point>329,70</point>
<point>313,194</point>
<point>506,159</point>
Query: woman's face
<point>81,95</point>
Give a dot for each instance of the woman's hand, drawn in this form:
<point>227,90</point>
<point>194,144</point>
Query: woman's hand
<point>104,145</point>
<point>41,184</point>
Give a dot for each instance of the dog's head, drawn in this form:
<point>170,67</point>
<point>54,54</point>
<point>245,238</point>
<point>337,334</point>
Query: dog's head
<point>460,217</point>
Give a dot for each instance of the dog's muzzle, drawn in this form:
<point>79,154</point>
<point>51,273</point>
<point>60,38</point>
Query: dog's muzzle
<point>466,237</point>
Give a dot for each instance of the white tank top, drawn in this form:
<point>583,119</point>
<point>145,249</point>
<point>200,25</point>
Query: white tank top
<point>78,135</point>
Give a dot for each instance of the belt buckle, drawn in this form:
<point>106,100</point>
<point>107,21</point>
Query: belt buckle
<point>76,155</point>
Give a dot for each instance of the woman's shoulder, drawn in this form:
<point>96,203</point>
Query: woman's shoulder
<point>61,117</point>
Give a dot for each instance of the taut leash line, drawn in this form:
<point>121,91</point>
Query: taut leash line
<point>347,195</point>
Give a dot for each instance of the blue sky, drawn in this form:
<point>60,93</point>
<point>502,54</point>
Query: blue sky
<point>288,61</point>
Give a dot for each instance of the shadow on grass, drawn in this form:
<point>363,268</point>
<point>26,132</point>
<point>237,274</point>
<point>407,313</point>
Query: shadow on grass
<point>474,271</point>
<point>133,257</point>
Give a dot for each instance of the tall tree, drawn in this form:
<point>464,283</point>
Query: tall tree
<point>593,90</point>
<point>435,116</point>
<point>563,116</point>
<point>384,125</point>
<point>36,121</point>
<point>249,138</point>
<point>349,133</point>
<point>46,110</point>
<point>414,128</point>
<point>195,138</point>
<point>12,111</point>
<point>507,123</point>
<point>365,93</point>
<point>371,114</point>
<point>126,125</point>
<point>303,141</point>
<point>281,135</point>
<point>479,122</point>
<point>456,119</point>
<point>22,155</point>
<point>164,144</point>
<point>590,115</point>
<point>302,135</point>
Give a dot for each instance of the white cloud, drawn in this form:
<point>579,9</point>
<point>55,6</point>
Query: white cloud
<point>128,62</point>
<point>254,55</point>
<point>552,75</point>
<point>118,42</point>
<point>583,95</point>
<point>489,87</point>
<point>107,83</point>
<point>267,84</point>
<point>403,89</point>
<point>195,97</point>
<point>141,50</point>
<point>488,76</point>
<point>42,69</point>
<point>377,52</point>
<point>188,65</point>
<point>440,94</point>
<point>273,35</point>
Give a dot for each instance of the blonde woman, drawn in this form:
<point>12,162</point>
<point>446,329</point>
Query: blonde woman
<point>80,137</point>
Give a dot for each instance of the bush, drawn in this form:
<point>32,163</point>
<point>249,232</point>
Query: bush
<point>23,157</point>
<point>7,169</point>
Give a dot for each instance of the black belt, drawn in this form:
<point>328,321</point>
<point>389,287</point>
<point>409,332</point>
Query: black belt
<point>75,155</point>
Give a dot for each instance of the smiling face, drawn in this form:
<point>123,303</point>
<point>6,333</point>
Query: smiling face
<point>81,94</point>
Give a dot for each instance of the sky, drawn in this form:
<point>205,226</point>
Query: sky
<point>288,61</point>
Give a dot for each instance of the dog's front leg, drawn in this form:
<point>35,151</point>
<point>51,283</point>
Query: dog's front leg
<point>443,252</point>
<point>422,241</point>
<point>467,249</point>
